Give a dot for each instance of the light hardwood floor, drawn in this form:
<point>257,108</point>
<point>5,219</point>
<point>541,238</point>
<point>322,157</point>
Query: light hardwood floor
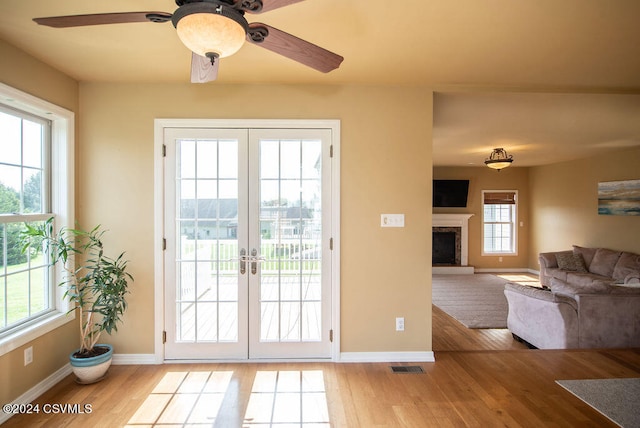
<point>481,378</point>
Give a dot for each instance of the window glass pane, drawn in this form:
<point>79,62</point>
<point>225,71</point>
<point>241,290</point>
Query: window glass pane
<point>10,185</point>
<point>269,157</point>
<point>9,197</point>
<point>32,144</point>
<point>207,189</point>
<point>187,159</point>
<point>3,306</point>
<point>311,159</point>
<point>290,159</point>
<point>32,191</point>
<point>39,290</point>
<point>207,159</point>
<point>11,139</point>
<point>489,213</point>
<point>17,297</point>
<point>228,150</point>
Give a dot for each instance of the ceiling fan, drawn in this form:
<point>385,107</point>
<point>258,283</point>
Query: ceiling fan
<point>214,29</point>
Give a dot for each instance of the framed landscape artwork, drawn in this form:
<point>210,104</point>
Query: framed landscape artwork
<point>619,197</point>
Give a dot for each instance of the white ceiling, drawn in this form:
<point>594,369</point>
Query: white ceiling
<point>570,45</point>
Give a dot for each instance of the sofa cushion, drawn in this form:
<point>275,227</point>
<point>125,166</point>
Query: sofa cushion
<point>628,264</point>
<point>571,262</point>
<point>563,288</point>
<point>586,253</point>
<point>586,279</point>
<point>604,261</point>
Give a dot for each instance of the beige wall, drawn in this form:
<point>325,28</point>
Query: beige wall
<point>564,205</point>
<point>386,168</point>
<point>51,351</point>
<point>483,178</point>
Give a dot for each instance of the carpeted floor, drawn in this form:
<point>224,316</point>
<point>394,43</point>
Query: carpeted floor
<point>617,399</point>
<point>477,301</point>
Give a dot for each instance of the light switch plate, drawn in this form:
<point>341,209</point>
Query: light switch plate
<point>391,220</point>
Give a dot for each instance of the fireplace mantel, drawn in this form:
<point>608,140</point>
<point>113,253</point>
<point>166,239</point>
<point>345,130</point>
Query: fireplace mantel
<point>461,221</point>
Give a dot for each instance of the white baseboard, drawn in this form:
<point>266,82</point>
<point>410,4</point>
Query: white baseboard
<point>39,389</point>
<point>452,270</point>
<point>386,357</point>
<point>133,359</point>
<point>508,270</point>
<point>359,357</point>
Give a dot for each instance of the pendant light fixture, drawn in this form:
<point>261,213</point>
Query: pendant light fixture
<point>498,159</point>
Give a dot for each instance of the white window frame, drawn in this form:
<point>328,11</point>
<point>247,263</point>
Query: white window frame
<point>61,204</point>
<point>514,224</point>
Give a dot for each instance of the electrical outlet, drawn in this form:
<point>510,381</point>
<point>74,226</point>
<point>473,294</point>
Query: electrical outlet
<point>28,355</point>
<point>400,324</point>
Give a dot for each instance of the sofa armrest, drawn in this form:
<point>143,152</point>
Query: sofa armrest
<point>539,294</point>
<point>542,319</point>
<point>549,261</point>
<point>536,293</point>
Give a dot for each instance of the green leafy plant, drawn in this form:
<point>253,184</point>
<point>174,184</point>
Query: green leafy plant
<point>95,283</point>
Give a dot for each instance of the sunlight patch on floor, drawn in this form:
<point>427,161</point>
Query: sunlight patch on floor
<point>180,398</point>
<point>278,399</point>
<point>288,399</point>
<point>524,279</point>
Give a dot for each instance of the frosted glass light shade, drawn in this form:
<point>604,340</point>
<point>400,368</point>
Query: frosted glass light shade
<point>206,33</point>
<point>499,159</point>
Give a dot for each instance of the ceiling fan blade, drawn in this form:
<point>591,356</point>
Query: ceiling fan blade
<point>202,69</point>
<point>268,5</point>
<point>102,18</point>
<point>293,47</point>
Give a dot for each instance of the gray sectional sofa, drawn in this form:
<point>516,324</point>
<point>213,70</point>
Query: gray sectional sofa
<point>591,300</point>
<point>589,266</point>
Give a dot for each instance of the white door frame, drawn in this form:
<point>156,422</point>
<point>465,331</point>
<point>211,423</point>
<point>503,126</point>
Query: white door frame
<point>159,275</point>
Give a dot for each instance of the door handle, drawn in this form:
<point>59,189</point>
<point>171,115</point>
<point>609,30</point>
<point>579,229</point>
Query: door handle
<point>243,261</point>
<point>255,259</point>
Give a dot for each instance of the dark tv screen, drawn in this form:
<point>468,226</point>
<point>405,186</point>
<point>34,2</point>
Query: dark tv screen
<point>450,193</point>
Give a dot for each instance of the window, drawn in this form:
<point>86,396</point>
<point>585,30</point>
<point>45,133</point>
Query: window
<point>499,222</point>
<point>25,289</point>
<point>36,171</point>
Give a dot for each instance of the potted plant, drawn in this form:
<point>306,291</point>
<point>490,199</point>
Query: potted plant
<point>95,284</point>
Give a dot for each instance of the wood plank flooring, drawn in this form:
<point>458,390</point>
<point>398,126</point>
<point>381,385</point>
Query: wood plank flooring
<point>471,388</point>
<point>450,335</point>
<point>481,378</point>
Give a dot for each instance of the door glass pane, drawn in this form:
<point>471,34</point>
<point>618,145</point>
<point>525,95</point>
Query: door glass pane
<point>291,240</point>
<point>207,247</point>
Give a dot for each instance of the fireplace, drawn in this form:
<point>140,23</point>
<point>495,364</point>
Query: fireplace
<point>446,251</point>
<point>450,252</point>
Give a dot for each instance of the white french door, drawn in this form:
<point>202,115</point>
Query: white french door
<point>247,229</point>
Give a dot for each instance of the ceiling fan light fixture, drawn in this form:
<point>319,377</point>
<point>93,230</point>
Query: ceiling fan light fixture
<point>209,28</point>
<point>499,159</point>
